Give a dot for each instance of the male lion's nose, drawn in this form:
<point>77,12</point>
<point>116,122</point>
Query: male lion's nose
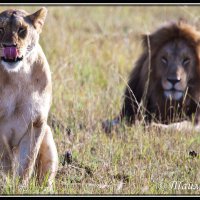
<point>174,80</point>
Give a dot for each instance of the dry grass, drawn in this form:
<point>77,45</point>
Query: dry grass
<point>91,51</point>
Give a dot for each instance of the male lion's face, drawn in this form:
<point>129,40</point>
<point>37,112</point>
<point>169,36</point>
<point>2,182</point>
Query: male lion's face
<point>19,33</point>
<point>175,63</point>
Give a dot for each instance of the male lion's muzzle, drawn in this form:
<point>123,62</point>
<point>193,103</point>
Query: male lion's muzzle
<point>173,88</point>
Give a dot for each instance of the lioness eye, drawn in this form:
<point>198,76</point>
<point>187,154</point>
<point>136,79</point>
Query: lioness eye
<point>22,32</point>
<point>186,61</point>
<point>1,31</point>
<point>164,60</point>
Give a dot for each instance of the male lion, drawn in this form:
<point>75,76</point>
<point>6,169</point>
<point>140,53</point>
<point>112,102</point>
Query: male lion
<point>164,85</point>
<point>25,97</point>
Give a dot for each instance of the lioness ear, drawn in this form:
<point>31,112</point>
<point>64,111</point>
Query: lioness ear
<point>38,18</point>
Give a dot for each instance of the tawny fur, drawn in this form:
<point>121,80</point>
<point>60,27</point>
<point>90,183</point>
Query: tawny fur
<point>25,99</point>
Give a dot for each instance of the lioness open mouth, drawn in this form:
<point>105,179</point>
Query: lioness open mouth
<point>11,55</point>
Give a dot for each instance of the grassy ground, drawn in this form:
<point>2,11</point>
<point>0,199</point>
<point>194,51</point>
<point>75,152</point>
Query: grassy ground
<point>91,51</point>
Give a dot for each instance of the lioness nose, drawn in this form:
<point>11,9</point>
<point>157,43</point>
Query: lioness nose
<point>173,80</point>
<point>9,45</point>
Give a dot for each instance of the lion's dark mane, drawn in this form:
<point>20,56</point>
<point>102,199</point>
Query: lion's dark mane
<point>154,104</point>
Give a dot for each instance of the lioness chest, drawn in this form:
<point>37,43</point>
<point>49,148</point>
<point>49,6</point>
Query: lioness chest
<point>21,102</point>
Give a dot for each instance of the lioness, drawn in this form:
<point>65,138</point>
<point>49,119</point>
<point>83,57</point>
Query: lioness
<point>164,85</point>
<point>25,97</point>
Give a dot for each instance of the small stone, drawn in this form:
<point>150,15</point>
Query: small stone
<point>67,157</point>
<point>193,154</point>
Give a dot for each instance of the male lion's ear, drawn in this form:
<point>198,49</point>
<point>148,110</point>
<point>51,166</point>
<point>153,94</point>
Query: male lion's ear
<point>146,40</point>
<point>182,21</point>
<point>38,18</point>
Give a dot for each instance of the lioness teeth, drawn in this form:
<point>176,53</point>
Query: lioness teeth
<point>12,60</point>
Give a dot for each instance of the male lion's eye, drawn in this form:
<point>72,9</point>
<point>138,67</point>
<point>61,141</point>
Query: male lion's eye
<point>186,61</point>
<point>164,60</point>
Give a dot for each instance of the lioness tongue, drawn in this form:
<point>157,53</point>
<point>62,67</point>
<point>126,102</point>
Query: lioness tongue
<point>10,53</point>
